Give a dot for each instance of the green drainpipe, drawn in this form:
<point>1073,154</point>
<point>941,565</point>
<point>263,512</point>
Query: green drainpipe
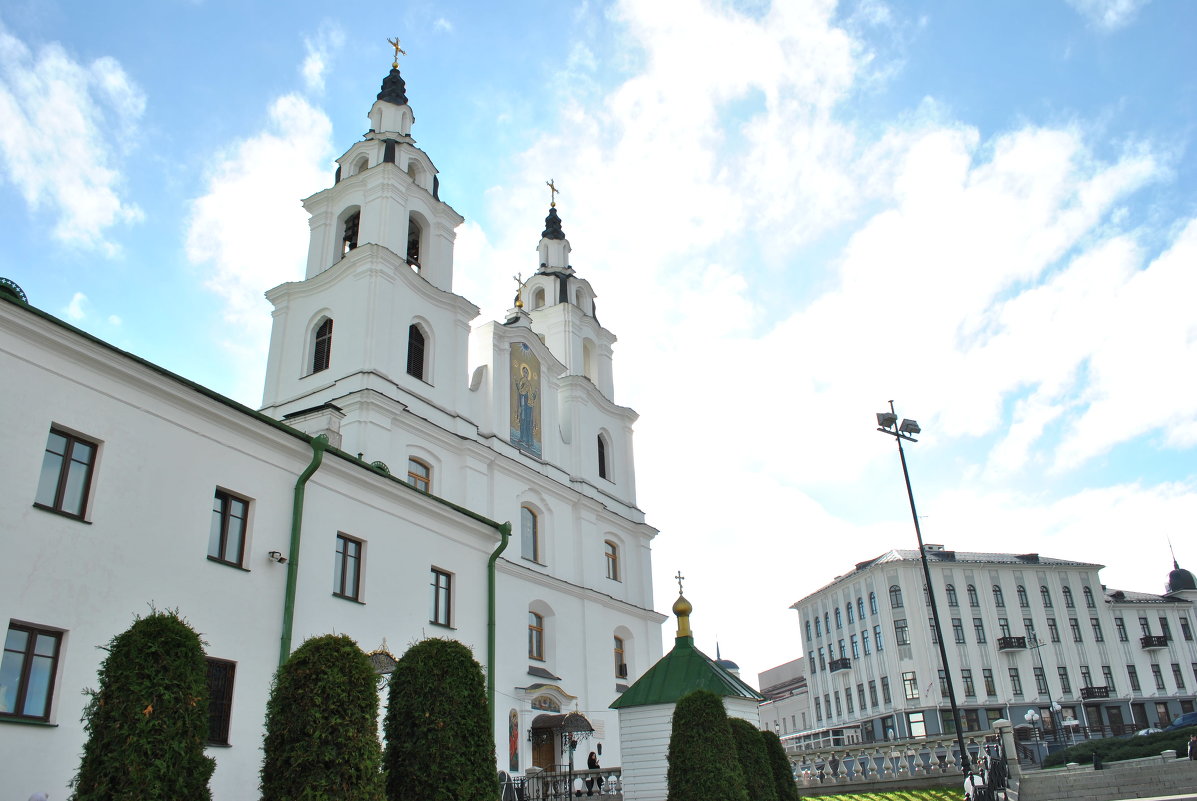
<point>319,443</point>
<point>505,533</point>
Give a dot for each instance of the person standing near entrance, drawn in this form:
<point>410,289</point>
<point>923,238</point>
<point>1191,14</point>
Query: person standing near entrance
<point>1193,746</point>
<point>593,764</point>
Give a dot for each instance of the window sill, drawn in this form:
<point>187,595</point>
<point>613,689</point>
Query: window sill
<point>27,721</point>
<point>533,561</point>
<point>349,598</point>
<point>60,513</point>
<point>218,745</point>
<point>234,565</point>
<point>442,625</point>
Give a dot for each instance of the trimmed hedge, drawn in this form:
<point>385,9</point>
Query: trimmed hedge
<point>703,764</point>
<point>440,746</point>
<point>322,726</point>
<point>147,723</point>
<point>1113,749</point>
<point>754,762</point>
<point>779,766</point>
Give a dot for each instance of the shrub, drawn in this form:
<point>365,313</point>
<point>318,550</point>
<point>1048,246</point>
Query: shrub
<point>779,766</point>
<point>440,745</point>
<point>1113,749</point>
<point>702,755</point>
<point>754,763</point>
<point>147,722</point>
<point>322,726</point>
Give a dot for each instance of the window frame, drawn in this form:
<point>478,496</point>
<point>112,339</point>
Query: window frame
<point>619,653</point>
<point>321,346</point>
<point>417,352</point>
<point>530,536</point>
<point>220,709</point>
<point>226,500</point>
<point>28,656</point>
<point>421,481</point>
<point>441,598</point>
<point>536,636</point>
<point>895,596</point>
<point>63,480</point>
<point>342,559</point>
<point>611,554</point>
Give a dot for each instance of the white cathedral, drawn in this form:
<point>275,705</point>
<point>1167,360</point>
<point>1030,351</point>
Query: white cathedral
<point>369,496</point>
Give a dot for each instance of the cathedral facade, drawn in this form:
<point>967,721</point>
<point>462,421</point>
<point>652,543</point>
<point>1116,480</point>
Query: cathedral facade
<point>409,474</point>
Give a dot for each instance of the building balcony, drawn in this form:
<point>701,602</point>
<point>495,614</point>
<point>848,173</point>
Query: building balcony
<point>843,663</point>
<point>1152,641</point>
<point>1011,643</point>
<point>1090,693</point>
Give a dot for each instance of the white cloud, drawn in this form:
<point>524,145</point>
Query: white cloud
<point>75,310</point>
<point>249,231</point>
<point>442,24</point>
<point>320,49</point>
<point>114,320</point>
<point>1108,15</point>
<point>66,128</point>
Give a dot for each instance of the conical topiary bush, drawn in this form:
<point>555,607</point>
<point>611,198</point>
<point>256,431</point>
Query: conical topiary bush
<point>703,763</point>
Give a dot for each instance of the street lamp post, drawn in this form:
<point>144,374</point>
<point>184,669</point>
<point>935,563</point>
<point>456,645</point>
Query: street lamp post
<point>887,423</point>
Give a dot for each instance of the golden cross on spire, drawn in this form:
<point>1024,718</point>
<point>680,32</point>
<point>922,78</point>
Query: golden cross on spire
<point>553,192</point>
<point>679,578</point>
<point>520,283</point>
<point>398,52</point>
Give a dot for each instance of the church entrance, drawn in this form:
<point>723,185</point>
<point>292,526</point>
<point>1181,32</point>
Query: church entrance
<point>544,751</point>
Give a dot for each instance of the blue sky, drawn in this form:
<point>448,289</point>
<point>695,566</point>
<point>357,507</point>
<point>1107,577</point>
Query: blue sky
<point>791,211</point>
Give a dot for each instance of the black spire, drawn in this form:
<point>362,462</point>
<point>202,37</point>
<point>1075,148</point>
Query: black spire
<point>552,225</point>
<point>394,90</point>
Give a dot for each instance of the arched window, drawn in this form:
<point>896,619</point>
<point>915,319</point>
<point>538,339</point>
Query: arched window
<point>322,346</point>
<point>538,298</point>
<point>612,553</point>
<point>530,534</point>
<point>415,351</point>
<point>1067,591</point>
<point>603,459</point>
<point>414,235</point>
<point>951,591</point>
<point>588,359</point>
<point>1089,598</point>
<point>839,618</point>
<point>808,630</point>
<point>860,607</point>
<point>361,165</point>
<point>827,623</point>
<point>973,600</point>
<point>1046,595</point>
<point>818,627</point>
<point>535,636</point>
<point>349,232</point>
<point>621,666</point>
<point>1023,601</point>
<point>998,599</point>
<point>851,613</point>
<point>419,474</point>
<point>873,602</point>
<point>895,597</point>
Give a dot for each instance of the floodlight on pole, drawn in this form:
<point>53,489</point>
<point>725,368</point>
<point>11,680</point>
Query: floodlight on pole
<point>887,423</point>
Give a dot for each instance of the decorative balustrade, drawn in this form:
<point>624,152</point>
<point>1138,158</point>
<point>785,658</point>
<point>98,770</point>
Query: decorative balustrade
<point>1011,643</point>
<point>1152,641</point>
<point>843,663</point>
<point>888,761</point>
<point>560,784</point>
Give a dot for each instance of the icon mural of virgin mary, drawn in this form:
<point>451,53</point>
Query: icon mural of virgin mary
<point>525,399</point>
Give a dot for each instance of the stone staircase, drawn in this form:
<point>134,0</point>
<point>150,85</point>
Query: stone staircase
<point>1149,778</point>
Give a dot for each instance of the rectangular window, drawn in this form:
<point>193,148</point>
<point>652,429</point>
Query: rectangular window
<point>1164,629</point>
<point>872,693</point>
<point>1028,626</point>
<point>419,474</point>
<point>818,709</point>
<point>1144,627</point>
<point>943,684</point>
<point>910,686</point>
<point>916,723</point>
<point>535,636</point>
<point>843,653</point>
<point>885,696</point>
<point>966,676</point>
<point>1120,627</point>
<point>1097,635</point>
<point>1075,625</point>
<point>979,629</point>
<point>220,699</point>
<point>1158,675</point>
<point>1015,681</point>
<point>226,540</point>
<point>621,666</point>
<point>1086,676</point>
<point>27,671</point>
<point>65,480</point>
<point>1003,627</point>
<point>441,606</point>
<point>990,687</point>
<point>611,550</point>
<point>1065,683</point>
<point>901,632</point>
<point>347,572</point>
<point>848,700</point>
<point>1178,677</point>
<point>1107,675</point>
<point>877,638</point>
<point>934,632</point>
<point>1040,680</point>
<point>1186,630</point>
<point>958,630</point>
<point>822,659</point>
<point>860,696</point>
<point>1052,631</point>
<point>855,647</point>
<point>1133,674</point>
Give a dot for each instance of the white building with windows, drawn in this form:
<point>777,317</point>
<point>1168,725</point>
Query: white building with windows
<point>1023,631</point>
<point>367,496</point>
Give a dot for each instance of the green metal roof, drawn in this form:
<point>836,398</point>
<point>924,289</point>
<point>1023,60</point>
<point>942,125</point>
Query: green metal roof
<point>681,671</point>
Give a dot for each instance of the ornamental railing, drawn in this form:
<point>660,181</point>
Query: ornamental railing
<point>1149,641</point>
<point>891,761</point>
<point>1011,643</point>
<point>560,783</point>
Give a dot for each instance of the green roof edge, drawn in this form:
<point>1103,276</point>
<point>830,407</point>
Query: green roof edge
<point>681,671</point>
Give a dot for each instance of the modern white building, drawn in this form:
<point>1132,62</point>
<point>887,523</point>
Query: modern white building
<point>1023,632</point>
<point>369,496</point>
